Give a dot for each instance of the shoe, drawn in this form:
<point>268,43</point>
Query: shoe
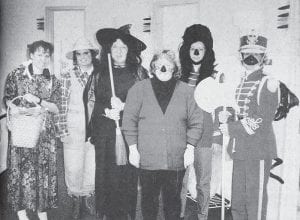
<point>100,216</point>
<point>89,203</point>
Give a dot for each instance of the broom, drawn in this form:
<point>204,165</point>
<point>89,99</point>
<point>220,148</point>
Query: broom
<point>120,148</point>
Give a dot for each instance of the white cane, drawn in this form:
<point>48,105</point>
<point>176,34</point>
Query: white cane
<point>225,141</point>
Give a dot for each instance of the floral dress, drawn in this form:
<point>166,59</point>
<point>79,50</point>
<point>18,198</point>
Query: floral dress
<point>32,175</point>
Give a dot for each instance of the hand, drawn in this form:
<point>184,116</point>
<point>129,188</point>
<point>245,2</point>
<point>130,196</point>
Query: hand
<point>31,98</point>
<point>113,114</point>
<point>188,157</point>
<point>192,182</point>
<point>224,129</point>
<point>134,156</point>
<point>66,139</point>
<point>117,103</point>
<point>223,116</point>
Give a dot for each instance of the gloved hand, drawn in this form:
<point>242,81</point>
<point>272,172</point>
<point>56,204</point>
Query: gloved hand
<point>31,98</point>
<point>113,114</point>
<point>223,116</point>
<point>188,157</point>
<point>134,156</point>
<point>224,129</point>
<point>192,182</point>
<point>117,103</point>
<point>66,139</point>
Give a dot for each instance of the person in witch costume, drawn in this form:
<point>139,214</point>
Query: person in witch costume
<point>162,125</point>
<point>115,185</point>
<point>252,139</point>
<point>197,59</point>
<point>79,153</point>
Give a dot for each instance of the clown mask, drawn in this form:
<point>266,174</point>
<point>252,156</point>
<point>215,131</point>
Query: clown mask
<point>164,68</point>
<point>197,52</point>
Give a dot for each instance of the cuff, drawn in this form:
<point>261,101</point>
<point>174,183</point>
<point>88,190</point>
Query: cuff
<point>131,140</point>
<point>192,141</point>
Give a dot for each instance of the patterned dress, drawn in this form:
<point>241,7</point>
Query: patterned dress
<point>32,176</point>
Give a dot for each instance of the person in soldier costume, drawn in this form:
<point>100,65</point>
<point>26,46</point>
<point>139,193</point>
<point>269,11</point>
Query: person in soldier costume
<point>252,140</point>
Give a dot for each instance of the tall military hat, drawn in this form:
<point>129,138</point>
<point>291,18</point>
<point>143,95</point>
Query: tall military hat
<point>253,43</point>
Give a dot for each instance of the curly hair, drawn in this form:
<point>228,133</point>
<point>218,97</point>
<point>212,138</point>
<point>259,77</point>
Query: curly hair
<point>48,47</point>
<point>169,55</point>
<point>192,34</point>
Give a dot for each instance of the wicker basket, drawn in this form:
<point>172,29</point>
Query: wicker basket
<point>25,124</point>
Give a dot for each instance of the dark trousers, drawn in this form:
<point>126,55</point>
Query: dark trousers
<point>115,186</point>
<point>249,189</point>
<point>167,181</point>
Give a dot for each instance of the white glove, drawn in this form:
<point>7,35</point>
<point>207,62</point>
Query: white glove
<point>113,114</point>
<point>223,116</point>
<point>31,98</point>
<point>224,129</point>
<point>134,156</point>
<point>117,103</point>
<point>192,182</point>
<point>188,157</point>
<point>67,139</point>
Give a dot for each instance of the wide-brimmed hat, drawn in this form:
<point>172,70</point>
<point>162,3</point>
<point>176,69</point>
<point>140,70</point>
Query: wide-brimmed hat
<point>198,32</point>
<point>81,44</point>
<point>253,43</point>
<point>107,36</point>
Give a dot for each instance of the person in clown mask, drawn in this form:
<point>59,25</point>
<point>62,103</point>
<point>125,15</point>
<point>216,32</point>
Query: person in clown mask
<point>252,143</point>
<point>197,60</point>
<point>162,125</point>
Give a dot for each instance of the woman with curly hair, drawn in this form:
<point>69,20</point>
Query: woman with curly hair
<point>32,174</point>
<point>162,125</point>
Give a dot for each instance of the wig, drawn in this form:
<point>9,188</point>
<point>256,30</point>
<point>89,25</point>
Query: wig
<point>169,55</point>
<point>133,59</point>
<point>192,34</point>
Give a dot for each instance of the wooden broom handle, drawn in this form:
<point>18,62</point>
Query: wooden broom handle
<point>112,85</point>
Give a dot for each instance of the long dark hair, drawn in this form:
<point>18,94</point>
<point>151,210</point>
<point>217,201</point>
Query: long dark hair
<point>133,60</point>
<point>193,34</point>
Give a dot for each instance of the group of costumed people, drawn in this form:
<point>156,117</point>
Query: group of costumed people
<point>159,123</point>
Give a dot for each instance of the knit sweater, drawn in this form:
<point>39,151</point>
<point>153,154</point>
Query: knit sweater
<point>161,138</point>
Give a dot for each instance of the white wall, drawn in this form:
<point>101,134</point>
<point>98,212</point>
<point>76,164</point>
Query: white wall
<point>223,17</point>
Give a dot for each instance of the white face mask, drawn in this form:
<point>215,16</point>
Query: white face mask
<point>197,52</point>
<point>164,69</point>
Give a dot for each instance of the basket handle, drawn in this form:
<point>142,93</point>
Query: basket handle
<point>11,104</point>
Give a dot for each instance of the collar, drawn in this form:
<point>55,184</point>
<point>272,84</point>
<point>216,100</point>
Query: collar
<point>46,73</point>
<point>89,71</point>
<point>119,66</point>
<point>248,74</point>
<point>196,67</point>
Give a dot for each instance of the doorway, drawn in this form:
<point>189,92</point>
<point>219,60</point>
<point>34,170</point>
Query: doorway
<point>63,26</point>
<point>170,20</point>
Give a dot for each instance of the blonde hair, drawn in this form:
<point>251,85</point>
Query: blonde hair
<point>169,55</point>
